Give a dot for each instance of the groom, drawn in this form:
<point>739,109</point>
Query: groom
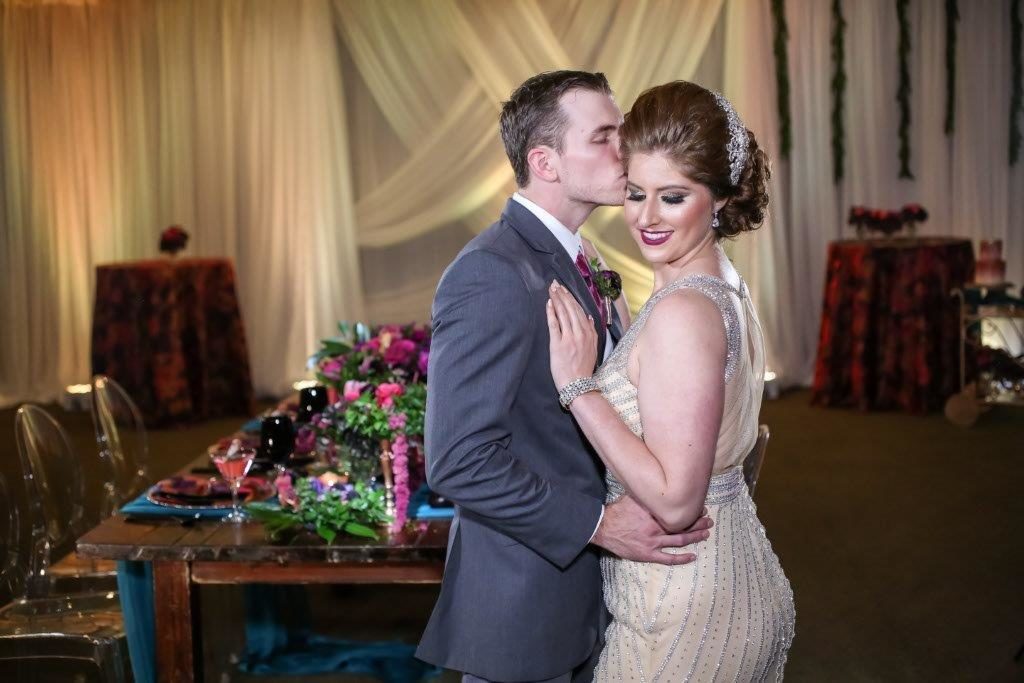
<point>521,596</point>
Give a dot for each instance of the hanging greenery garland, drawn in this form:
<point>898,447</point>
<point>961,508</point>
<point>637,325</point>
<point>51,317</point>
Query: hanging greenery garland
<point>952,17</point>
<point>838,89</point>
<point>782,75</point>
<point>1015,97</point>
<point>903,91</point>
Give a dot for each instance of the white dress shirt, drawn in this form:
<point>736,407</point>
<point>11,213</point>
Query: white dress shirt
<point>573,245</point>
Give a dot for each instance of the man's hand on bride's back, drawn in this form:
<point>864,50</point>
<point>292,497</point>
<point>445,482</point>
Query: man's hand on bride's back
<point>630,532</point>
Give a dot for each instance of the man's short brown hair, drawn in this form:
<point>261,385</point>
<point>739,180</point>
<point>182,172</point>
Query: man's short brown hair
<point>533,116</point>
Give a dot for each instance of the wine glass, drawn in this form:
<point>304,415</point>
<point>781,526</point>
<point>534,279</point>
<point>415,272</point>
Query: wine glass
<point>233,464</point>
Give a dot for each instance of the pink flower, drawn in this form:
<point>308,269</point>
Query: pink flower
<point>422,364</point>
<point>400,453</point>
<point>387,392</point>
<point>305,440</point>
<point>399,352</point>
<point>331,369</point>
<point>353,388</point>
<point>397,421</point>
<point>364,367</point>
<point>286,495</point>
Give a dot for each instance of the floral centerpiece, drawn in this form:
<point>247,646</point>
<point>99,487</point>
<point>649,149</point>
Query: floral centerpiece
<point>328,504</point>
<point>374,421</point>
<point>385,354</point>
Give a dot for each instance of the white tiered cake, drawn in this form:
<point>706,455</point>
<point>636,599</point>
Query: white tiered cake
<point>990,268</point>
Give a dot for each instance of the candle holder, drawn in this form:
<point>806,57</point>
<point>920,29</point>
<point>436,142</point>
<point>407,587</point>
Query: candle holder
<point>389,477</point>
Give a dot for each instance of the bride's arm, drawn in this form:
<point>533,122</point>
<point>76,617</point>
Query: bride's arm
<point>681,397</point>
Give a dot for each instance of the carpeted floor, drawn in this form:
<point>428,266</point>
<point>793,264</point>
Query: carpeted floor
<point>901,536</point>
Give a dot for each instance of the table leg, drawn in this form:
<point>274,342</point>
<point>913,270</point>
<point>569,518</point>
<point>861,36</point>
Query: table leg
<point>176,607</point>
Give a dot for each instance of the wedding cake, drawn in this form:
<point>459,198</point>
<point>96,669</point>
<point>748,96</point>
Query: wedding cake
<point>990,268</point>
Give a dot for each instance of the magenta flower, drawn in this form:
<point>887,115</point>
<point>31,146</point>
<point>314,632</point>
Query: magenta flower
<point>399,352</point>
<point>331,369</point>
<point>387,392</point>
<point>397,421</point>
<point>305,440</point>
<point>353,388</point>
<point>422,364</point>
<point>286,495</point>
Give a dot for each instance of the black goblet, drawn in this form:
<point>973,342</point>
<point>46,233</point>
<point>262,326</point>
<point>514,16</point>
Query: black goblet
<point>312,400</point>
<point>277,439</point>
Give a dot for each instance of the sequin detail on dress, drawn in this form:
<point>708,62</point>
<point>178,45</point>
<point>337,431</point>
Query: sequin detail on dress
<point>729,615</point>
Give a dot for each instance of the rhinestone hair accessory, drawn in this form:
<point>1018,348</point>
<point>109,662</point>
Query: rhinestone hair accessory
<point>738,140</point>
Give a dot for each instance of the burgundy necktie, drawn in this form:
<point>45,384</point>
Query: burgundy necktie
<point>588,277</point>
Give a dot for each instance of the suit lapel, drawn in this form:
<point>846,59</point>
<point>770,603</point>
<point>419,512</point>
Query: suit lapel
<point>572,279</point>
<point>541,239</point>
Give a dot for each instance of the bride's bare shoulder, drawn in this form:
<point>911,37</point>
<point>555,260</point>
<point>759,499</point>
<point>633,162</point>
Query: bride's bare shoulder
<point>684,319</point>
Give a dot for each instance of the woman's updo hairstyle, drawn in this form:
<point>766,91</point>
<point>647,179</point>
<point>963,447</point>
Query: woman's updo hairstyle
<point>685,122</point>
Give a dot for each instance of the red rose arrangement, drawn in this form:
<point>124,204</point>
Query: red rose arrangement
<point>173,239</point>
<point>886,222</point>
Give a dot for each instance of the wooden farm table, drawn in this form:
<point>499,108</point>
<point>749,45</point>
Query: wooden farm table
<point>211,552</point>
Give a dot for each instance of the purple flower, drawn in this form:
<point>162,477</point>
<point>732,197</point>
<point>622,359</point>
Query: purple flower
<point>397,421</point>
<point>348,491</point>
<point>422,365</point>
<point>317,487</point>
<point>364,367</point>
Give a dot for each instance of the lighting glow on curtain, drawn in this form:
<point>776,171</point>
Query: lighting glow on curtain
<point>342,151</point>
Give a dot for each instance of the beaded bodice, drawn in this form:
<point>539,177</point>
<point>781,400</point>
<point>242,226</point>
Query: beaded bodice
<point>744,369</point>
<point>729,614</point>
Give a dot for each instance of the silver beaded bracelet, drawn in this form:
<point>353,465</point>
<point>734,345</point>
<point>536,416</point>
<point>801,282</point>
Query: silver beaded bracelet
<point>574,389</point>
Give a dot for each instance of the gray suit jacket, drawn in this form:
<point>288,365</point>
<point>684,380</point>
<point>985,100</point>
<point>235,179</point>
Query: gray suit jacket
<point>521,596</point>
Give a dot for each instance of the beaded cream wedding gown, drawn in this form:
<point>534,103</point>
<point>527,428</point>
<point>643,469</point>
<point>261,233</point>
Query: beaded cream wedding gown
<point>729,615</point>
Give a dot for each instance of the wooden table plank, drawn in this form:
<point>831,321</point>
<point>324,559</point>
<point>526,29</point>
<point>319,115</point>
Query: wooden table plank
<point>210,540</point>
<point>316,573</point>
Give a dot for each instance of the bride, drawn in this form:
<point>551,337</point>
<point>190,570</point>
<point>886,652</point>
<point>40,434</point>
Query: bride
<point>674,409</point>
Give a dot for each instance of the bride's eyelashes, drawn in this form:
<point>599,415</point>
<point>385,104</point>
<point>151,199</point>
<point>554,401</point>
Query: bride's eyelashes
<point>667,198</point>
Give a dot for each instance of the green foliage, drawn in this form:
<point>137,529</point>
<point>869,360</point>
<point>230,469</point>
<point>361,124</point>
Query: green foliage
<point>354,510</point>
<point>366,417</point>
<point>903,90</point>
<point>838,90</point>
<point>952,17</point>
<point>1015,87</point>
<point>782,76</point>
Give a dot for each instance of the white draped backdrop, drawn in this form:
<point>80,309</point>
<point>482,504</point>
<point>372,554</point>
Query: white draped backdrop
<point>341,152</point>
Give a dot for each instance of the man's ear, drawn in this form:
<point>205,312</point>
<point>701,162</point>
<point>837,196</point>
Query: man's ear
<point>543,163</point>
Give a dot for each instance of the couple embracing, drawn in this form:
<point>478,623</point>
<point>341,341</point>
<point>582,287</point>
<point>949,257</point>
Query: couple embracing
<point>603,529</point>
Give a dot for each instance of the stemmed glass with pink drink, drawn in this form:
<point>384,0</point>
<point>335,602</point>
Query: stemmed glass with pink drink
<point>233,463</point>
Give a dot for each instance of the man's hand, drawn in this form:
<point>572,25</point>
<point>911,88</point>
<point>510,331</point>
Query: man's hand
<point>628,531</point>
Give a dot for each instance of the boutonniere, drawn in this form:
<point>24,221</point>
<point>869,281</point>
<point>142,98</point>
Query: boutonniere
<point>609,286</point>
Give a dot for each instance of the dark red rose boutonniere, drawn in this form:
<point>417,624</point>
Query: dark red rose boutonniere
<point>173,240</point>
<point>609,286</point>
